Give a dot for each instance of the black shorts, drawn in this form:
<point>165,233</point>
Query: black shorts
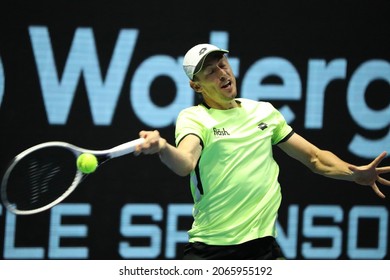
<point>265,248</point>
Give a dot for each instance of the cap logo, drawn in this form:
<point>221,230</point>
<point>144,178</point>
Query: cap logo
<point>202,51</point>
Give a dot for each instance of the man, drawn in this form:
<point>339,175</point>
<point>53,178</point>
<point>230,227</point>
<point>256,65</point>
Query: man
<point>225,144</point>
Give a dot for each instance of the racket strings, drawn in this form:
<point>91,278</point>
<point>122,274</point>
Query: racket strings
<point>40,178</point>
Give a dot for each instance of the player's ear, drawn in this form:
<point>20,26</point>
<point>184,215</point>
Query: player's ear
<point>196,86</point>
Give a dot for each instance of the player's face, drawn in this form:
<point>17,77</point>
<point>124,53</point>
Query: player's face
<point>216,81</point>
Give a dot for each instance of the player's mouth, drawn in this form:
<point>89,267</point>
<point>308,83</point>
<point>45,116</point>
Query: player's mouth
<point>228,84</point>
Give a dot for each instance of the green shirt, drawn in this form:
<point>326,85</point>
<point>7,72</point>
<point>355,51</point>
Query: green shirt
<point>235,184</point>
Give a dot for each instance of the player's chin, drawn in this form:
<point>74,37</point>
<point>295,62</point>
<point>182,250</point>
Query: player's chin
<point>231,94</point>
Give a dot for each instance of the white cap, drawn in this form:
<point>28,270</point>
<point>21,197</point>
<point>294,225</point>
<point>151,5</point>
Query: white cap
<point>194,58</point>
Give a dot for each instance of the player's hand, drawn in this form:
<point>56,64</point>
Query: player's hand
<point>153,144</point>
<point>369,175</point>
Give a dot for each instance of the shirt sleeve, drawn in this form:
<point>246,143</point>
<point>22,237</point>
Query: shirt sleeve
<point>283,130</point>
<point>187,123</point>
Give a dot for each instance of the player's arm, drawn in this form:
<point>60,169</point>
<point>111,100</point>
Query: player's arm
<point>181,160</point>
<point>328,164</point>
<point>317,160</point>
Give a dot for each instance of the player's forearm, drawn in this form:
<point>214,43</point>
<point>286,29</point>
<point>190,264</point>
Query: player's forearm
<point>328,164</point>
<point>178,161</point>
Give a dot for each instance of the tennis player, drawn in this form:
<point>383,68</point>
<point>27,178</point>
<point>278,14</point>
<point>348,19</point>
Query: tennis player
<point>225,145</point>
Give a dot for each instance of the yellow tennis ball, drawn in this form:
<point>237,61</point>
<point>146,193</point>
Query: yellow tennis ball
<point>87,163</point>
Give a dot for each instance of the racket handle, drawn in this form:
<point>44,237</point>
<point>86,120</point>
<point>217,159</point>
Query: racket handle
<point>125,148</point>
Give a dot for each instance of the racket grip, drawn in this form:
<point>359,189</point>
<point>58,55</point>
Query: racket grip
<point>125,148</point>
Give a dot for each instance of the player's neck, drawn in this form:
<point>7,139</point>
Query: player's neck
<point>222,105</point>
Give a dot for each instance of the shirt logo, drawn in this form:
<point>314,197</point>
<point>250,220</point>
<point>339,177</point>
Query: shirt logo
<point>220,132</point>
<point>262,126</point>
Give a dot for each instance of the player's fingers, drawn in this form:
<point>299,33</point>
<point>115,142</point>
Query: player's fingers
<point>151,144</point>
<point>383,181</point>
<point>137,150</point>
<point>378,159</point>
<point>377,191</point>
<point>382,170</point>
<point>142,134</point>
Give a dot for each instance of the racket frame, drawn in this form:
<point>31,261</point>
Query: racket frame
<point>102,155</point>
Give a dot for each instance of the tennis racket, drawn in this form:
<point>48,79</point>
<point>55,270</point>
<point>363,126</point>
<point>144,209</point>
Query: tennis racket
<point>44,175</point>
